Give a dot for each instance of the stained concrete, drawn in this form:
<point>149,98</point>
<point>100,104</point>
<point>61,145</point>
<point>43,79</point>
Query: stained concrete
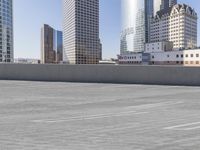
<point>159,75</point>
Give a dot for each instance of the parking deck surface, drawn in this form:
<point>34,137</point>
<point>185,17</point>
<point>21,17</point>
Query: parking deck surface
<point>80,116</point>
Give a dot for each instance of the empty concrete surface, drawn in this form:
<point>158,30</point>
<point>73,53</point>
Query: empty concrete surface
<point>80,116</point>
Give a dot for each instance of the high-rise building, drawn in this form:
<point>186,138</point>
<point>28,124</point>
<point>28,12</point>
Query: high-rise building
<point>133,34</point>
<point>58,45</point>
<point>51,45</point>
<point>148,16</point>
<point>81,32</point>
<point>165,5</point>
<point>6,31</point>
<point>179,26</point>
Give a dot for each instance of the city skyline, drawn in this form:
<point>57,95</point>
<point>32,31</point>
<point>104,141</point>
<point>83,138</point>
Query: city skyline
<point>27,40</point>
<point>172,35</point>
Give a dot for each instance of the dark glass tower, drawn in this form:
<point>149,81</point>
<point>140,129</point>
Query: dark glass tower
<point>165,5</point>
<point>148,15</point>
<point>59,45</point>
<point>172,2</point>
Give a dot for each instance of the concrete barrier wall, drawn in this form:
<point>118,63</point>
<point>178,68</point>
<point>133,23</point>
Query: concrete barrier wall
<point>161,75</point>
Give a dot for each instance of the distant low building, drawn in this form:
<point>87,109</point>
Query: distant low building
<point>26,61</point>
<point>109,61</point>
<point>51,45</point>
<point>134,59</point>
<point>189,57</point>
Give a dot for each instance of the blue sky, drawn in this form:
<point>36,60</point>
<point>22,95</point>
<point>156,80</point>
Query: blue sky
<point>30,15</point>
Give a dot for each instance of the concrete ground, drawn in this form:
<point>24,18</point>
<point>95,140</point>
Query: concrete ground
<point>78,116</point>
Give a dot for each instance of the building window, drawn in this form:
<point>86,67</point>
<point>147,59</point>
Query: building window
<point>197,55</point>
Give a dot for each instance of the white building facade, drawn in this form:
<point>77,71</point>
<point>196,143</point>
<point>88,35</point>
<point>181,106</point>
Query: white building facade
<point>179,25</point>
<point>158,47</point>
<point>182,57</point>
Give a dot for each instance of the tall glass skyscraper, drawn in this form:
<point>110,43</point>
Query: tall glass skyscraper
<point>148,16</point>
<point>81,31</point>
<point>58,36</point>
<point>134,34</point>
<point>6,31</point>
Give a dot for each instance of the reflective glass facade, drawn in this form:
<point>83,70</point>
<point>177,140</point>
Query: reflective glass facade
<point>133,34</point>
<point>58,35</point>
<point>6,31</point>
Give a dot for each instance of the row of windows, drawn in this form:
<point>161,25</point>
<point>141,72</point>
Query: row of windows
<point>130,57</point>
<point>131,62</point>
<point>182,55</point>
<point>168,62</point>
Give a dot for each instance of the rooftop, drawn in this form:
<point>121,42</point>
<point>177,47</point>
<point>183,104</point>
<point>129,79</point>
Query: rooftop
<point>178,7</point>
<point>73,116</point>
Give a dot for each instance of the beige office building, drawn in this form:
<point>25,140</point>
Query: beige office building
<point>81,32</point>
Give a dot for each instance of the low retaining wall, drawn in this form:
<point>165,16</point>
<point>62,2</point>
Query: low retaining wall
<point>160,75</point>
